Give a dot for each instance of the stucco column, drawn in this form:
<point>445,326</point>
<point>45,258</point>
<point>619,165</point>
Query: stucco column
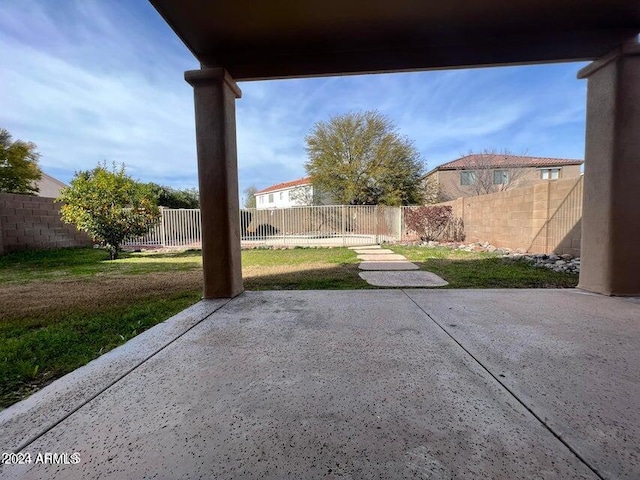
<point>611,208</point>
<point>215,95</point>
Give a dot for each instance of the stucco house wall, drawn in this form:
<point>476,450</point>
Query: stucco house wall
<point>451,188</point>
<point>49,187</point>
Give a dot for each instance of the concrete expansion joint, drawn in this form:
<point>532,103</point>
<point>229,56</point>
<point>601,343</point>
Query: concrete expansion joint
<point>545,424</point>
<point>29,441</point>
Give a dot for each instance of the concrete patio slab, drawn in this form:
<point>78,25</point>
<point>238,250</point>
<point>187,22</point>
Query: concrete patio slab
<point>351,384</point>
<point>403,279</point>
<point>365,247</point>
<point>385,266</point>
<point>572,357</point>
<point>388,257</point>
<point>22,422</point>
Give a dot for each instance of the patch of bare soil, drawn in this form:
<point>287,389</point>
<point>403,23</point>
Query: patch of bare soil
<point>264,271</point>
<point>102,291</point>
<point>27,300</point>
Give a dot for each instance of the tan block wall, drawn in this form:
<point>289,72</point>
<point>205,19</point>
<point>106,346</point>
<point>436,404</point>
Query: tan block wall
<point>28,223</point>
<point>541,218</point>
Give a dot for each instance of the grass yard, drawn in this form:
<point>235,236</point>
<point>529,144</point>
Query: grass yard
<point>60,309</point>
<point>483,270</point>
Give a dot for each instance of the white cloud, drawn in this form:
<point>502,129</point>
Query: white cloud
<point>88,80</point>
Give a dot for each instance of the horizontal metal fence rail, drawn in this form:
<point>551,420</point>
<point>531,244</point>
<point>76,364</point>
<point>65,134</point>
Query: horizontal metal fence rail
<point>332,225</point>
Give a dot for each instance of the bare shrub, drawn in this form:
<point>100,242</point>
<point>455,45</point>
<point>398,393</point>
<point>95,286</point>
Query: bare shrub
<point>434,222</point>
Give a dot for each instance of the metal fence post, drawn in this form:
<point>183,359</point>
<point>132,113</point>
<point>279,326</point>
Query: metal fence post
<point>162,233</point>
<point>344,225</point>
<point>375,219</point>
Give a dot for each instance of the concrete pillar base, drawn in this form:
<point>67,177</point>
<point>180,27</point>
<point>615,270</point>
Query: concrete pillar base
<point>611,208</point>
<point>215,94</point>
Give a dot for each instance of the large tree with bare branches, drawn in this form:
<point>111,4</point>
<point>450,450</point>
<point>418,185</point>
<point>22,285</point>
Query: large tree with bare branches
<point>489,171</point>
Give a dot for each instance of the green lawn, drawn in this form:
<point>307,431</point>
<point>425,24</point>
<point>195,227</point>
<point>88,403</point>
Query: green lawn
<point>483,270</point>
<point>88,262</point>
<point>63,308</point>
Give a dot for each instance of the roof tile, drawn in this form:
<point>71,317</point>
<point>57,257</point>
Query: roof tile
<point>501,160</point>
<point>281,186</point>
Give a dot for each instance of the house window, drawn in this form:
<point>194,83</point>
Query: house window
<point>467,177</point>
<point>500,177</point>
<point>271,198</point>
<point>281,195</point>
<point>550,173</point>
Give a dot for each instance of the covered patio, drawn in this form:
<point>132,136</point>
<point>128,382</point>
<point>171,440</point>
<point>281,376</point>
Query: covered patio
<point>398,383</point>
<point>354,384</point>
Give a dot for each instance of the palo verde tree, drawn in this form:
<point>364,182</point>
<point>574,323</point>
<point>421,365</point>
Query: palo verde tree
<point>109,205</point>
<point>19,170</point>
<point>361,159</point>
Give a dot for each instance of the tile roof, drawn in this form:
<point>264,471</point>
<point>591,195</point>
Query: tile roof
<point>501,160</point>
<point>284,185</point>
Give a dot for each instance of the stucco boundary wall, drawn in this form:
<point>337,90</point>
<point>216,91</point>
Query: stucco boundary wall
<point>28,222</point>
<point>541,218</point>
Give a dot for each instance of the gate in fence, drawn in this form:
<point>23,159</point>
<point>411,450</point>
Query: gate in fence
<point>335,225</point>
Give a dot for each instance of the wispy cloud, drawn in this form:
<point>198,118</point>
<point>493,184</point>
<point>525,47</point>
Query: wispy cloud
<point>88,80</point>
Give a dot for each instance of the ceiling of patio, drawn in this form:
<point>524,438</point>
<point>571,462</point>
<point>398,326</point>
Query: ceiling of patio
<point>261,39</point>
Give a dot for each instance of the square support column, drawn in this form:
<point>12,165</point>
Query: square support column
<point>215,95</point>
<point>611,208</point>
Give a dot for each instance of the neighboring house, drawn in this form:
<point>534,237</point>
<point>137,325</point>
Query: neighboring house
<point>49,187</point>
<point>297,193</point>
<point>486,173</point>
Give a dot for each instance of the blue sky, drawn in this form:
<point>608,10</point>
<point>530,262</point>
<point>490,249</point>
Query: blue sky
<point>93,80</point>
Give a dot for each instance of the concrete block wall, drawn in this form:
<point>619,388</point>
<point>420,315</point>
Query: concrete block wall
<point>30,223</point>
<point>541,218</point>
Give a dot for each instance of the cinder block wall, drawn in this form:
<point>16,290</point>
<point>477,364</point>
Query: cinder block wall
<point>30,223</point>
<point>542,218</point>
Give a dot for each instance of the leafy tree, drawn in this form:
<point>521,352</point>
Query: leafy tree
<point>19,168</point>
<point>109,205</point>
<point>174,197</point>
<point>250,196</point>
<point>360,159</point>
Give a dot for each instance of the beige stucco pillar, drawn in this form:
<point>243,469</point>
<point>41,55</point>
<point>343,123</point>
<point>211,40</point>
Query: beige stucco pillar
<point>611,209</point>
<point>215,95</point>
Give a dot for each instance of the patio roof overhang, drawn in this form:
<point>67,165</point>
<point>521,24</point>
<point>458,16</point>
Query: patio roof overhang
<point>255,39</point>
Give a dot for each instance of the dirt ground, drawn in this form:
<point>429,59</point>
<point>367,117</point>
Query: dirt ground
<point>42,297</point>
<point>59,295</point>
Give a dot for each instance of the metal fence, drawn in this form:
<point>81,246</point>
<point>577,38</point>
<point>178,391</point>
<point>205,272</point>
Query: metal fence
<point>335,225</point>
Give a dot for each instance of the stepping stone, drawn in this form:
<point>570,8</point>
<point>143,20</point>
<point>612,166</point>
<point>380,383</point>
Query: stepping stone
<point>403,279</point>
<point>388,266</point>
<point>372,251</point>
<point>365,247</point>
<point>382,258</point>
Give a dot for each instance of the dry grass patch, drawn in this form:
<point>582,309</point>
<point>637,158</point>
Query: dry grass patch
<point>92,294</point>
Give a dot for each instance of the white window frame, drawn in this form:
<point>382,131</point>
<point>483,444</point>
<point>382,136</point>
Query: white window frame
<point>550,173</point>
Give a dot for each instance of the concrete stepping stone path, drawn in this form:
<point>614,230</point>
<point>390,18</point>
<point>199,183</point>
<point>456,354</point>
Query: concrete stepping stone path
<point>382,258</point>
<point>403,279</point>
<point>384,268</point>
<point>372,251</point>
